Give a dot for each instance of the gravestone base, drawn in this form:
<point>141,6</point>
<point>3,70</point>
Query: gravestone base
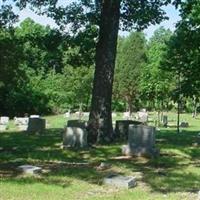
<point>120,181</point>
<point>23,127</point>
<point>140,151</point>
<point>74,137</point>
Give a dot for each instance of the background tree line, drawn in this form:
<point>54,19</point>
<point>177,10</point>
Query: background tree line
<point>45,71</point>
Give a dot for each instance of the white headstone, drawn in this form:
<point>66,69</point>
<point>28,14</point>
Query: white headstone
<point>86,114</point>
<point>143,116</point>
<point>21,120</point>
<point>126,115</point>
<point>4,120</point>
<point>67,115</point>
<point>79,114</point>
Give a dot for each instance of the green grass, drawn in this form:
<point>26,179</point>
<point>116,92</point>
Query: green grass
<point>71,174</point>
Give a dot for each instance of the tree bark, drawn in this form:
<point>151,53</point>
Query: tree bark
<point>100,120</point>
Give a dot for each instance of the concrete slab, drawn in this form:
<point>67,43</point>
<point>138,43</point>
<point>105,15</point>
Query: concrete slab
<point>120,181</point>
<point>29,169</point>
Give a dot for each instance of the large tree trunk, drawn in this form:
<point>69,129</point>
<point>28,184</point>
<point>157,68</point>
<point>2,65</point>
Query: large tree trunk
<point>100,121</point>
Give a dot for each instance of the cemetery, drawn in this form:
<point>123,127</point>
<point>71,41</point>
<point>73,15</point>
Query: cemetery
<point>157,164</point>
<point>99,100</point>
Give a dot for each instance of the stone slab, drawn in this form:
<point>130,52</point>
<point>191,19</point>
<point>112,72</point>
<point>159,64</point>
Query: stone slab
<point>29,169</point>
<point>120,181</point>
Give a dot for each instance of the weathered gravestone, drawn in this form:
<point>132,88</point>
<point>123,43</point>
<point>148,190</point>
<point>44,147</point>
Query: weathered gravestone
<point>75,134</point>
<point>4,123</point>
<point>165,120</point>
<point>121,128</point>
<point>21,122</point>
<point>143,116</point>
<point>141,141</point>
<point>120,181</point>
<point>67,114</point>
<point>126,115</point>
<point>36,125</point>
<point>184,124</point>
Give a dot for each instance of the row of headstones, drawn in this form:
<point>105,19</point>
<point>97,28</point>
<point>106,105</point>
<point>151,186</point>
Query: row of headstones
<point>141,115</point>
<point>182,124</point>
<point>30,124</point>
<point>140,138</point>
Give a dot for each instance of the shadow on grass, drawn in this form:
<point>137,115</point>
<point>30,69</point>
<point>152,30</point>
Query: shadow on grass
<point>176,170</point>
<point>19,148</point>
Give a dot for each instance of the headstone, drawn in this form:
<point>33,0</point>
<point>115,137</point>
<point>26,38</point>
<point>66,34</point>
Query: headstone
<point>121,128</point>
<point>29,169</point>
<point>4,123</point>
<point>120,181</point>
<point>141,141</point>
<point>184,124</point>
<point>21,120</point>
<point>4,120</point>
<point>143,110</point>
<point>67,114</point>
<point>165,120</point>
<point>75,134</point>
<point>143,116</point>
<point>126,115</point>
<point>86,114</point>
<point>36,125</point>
<point>79,114</point>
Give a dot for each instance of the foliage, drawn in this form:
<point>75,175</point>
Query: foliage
<point>131,59</point>
<point>156,84</point>
<point>39,74</point>
<point>183,52</point>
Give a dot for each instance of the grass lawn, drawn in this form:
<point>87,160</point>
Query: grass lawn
<point>72,175</point>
